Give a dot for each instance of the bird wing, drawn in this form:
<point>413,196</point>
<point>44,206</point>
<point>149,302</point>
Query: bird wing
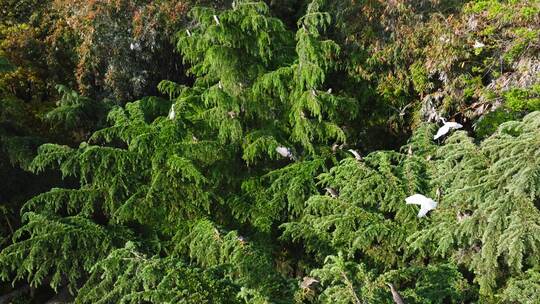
<point>417,199</point>
<point>454,125</point>
<point>426,207</point>
<point>442,131</point>
<point>423,211</point>
<point>355,153</point>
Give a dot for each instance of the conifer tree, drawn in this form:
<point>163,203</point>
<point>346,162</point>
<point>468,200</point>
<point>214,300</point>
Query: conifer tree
<point>163,181</point>
<point>238,185</point>
<point>488,213</point>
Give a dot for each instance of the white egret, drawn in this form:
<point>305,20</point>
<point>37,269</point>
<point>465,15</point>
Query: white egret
<point>171,112</point>
<point>433,116</point>
<point>478,44</point>
<point>188,33</point>
<point>242,240</point>
<point>336,147</point>
<point>447,126</point>
<point>329,91</point>
<point>461,216</point>
<point>134,46</point>
<point>308,282</point>
<point>285,152</point>
<point>426,204</point>
<point>216,19</point>
<point>438,193</point>
<point>333,193</point>
<point>356,154</point>
<point>217,235</point>
<point>395,294</point>
<point>402,110</point>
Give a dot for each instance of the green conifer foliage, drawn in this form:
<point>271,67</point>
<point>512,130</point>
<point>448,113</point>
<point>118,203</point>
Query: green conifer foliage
<point>190,198</point>
<point>488,215</point>
<point>128,276</point>
<point>77,114</point>
<point>369,215</point>
<point>360,237</point>
<point>168,180</point>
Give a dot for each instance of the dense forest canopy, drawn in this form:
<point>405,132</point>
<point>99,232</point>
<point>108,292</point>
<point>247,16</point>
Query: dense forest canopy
<point>294,151</point>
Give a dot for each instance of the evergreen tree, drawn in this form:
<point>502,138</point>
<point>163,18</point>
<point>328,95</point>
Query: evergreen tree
<point>274,166</point>
<point>159,180</point>
<point>489,210</point>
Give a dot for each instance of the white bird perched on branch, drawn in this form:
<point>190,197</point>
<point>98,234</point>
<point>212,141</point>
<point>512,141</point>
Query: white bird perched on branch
<point>216,19</point>
<point>308,283</point>
<point>285,152</point>
<point>395,294</point>
<point>426,204</point>
<point>402,110</point>
<point>462,215</point>
<point>478,44</point>
<point>333,193</point>
<point>242,240</point>
<point>448,125</point>
<point>171,112</point>
<point>356,154</point>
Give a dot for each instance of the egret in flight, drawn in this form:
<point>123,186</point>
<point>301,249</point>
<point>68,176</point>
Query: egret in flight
<point>426,204</point>
<point>447,126</point>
